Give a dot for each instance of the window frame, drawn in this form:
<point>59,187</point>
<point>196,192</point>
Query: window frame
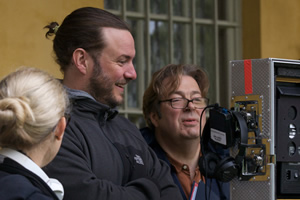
<point>221,75</point>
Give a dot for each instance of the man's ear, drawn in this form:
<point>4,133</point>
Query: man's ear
<point>60,128</point>
<point>154,118</point>
<point>80,60</point>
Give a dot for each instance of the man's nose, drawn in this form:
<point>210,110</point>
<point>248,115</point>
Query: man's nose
<point>130,72</point>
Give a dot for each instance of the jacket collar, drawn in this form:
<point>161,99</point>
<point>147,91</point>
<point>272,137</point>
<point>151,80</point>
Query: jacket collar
<point>89,103</point>
<point>149,136</point>
<point>27,163</point>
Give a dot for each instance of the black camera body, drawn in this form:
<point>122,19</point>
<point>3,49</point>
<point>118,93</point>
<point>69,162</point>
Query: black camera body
<point>221,127</point>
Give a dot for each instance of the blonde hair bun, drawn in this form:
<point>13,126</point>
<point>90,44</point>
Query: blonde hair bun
<point>31,104</point>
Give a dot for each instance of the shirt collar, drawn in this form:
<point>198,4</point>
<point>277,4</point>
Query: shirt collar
<point>26,162</point>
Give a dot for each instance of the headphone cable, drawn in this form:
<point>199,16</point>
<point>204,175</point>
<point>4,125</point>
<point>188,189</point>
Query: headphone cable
<point>202,149</point>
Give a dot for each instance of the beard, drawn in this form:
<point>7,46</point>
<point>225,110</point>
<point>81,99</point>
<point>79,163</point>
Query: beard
<point>101,87</point>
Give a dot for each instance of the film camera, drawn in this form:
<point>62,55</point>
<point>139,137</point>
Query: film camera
<point>261,131</point>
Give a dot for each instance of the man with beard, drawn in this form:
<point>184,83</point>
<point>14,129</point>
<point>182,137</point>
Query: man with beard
<point>103,155</point>
<point>172,105</point>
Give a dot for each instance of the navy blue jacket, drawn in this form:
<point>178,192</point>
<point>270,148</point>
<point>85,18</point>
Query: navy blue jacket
<point>215,190</point>
<point>16,182</point>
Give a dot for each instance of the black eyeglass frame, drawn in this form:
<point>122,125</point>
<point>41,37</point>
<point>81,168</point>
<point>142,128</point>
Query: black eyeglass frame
<point>187,104</point>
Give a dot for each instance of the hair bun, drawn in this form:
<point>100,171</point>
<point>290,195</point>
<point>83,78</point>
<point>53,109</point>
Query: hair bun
<point>14,112</point>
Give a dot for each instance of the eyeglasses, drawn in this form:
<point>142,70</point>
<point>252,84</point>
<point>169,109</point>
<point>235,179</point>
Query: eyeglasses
<point>180,103</point>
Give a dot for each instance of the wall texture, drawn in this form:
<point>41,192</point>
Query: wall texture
<point>22,37</point>
<point>271,29</point>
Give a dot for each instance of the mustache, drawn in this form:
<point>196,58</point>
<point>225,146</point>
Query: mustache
<point>123,82</point>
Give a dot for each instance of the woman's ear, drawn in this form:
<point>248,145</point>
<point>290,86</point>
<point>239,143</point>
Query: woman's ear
<point>60,128</point>
<point>80,60</point>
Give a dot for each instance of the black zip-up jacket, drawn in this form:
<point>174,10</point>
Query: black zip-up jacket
<point>104,156</point>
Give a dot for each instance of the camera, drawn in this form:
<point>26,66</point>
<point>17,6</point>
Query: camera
<point>260,129</point>
<point>229,129</point>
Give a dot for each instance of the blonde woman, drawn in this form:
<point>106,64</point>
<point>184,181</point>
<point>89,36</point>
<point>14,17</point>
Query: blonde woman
<point>32,123</point>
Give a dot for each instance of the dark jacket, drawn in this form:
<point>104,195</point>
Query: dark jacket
<point>16,182</point>
<point>104,156</point>
<point>215,190</point>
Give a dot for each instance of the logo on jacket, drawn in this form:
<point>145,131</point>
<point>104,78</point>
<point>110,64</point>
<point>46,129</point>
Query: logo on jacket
<point>138,159</point>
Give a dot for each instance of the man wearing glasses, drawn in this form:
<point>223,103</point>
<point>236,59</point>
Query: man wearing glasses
<point>172,107</point>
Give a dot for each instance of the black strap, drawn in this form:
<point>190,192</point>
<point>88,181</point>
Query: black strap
<point>244,137</point>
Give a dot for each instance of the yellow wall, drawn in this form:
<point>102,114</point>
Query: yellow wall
<point>271,29</point>
<point>22,37</point>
